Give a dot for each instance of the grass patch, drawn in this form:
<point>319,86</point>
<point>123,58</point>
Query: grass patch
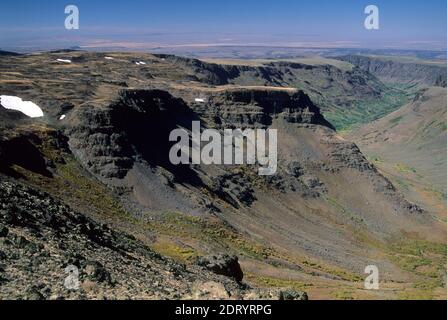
<point>277,283</point>
<point>443,126</point>
<point>396,120</point>
<point>415,295</point>
<point>402,184</point>
<point>375,159</point>
<point>178,252</point>
<point>343,294</point>
<point>208,231</point>
<point>367,111</point>
<point>402,168</point>
<point>436,193</point>
<point>421,257</point>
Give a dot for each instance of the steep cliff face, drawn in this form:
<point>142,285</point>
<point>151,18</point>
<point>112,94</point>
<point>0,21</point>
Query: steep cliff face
<point>321,219</point>
<point>215,74</point>
<point>257,107</point>
<point>109,139</point>
<point>391,70</point>
<point>327,85</point>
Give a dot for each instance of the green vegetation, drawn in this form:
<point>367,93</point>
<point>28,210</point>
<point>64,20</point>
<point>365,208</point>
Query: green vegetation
<point>402,184</point>
<point>375,159</point>
<point>367,111</point>
<point>438,194</point>
<point>403,168</point>
<point>395,121</point>
<point>180,253</point>
<point>271,282</point>
<point>422,258</point>
<point>416,253</point>
<point>210,232</point>
<point>343,294</point>
<point>343,275</point>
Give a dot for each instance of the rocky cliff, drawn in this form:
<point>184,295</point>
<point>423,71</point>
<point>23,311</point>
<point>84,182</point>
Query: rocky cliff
<point>315,224</point>
<point>329,86</point>
<point>393,70</point>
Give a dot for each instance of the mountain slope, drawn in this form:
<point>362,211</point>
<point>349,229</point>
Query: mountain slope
<point>408,71</point>
<point>315,225</point>
<point>410,144</point>
<point>329,86</point>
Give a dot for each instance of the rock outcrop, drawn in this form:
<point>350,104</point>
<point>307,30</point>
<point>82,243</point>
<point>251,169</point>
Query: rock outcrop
<point>422,74</point>
<point>43,241</point>
<point>222,264</point>
<point>108,140</point>
<point>257,107</point>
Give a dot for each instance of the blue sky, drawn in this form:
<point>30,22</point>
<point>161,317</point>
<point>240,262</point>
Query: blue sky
<point>208,21</point>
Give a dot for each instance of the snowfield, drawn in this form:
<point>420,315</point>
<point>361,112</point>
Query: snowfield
<point>27,107</point>
<point>63,60</point>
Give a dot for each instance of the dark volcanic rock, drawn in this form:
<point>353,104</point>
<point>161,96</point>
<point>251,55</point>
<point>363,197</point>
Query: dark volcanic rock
<point>45,237</point>
<point>345,86</point>
<point>9,53</point>
<point>22,151</point>
<point>215,74</point>
<point>3,231</point>
<point>234,189</point>
<point>34,294</point>
<point>391,70</point>
<point>258,107</point>
<point>222,264</point>
<point>292,295</point>
<point>97,272</point>
<point>110,139</point>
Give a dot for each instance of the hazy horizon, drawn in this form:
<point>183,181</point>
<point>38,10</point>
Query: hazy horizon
<point>142,25</point>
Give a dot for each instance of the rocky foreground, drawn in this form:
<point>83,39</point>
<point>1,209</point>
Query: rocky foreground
<point>99,156</point>
<point>40,237</point>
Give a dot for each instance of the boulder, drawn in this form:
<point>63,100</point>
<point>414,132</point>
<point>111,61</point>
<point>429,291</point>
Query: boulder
<point>3,231</point>
<point>290,294</point>
<point>225,265</point>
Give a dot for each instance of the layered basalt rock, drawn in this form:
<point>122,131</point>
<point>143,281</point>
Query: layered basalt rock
<point>327,85</point>
<point>216,74</point>
<point>108,140</point>
<point>257,107</point>
<point>391,70</point>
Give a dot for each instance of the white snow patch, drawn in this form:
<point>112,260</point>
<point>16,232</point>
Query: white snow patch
<point>63,60</point>
<point>62,117</point>
<point>200,100</point>
<point>140,63</point>
<point>27,107</point>
<point>109,58</point>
